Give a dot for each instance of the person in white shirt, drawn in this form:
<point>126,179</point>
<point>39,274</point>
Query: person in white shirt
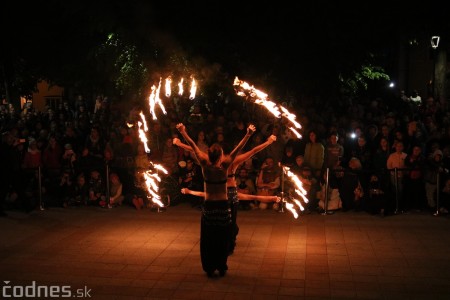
<point>415,98</point>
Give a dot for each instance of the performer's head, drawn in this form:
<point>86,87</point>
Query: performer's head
<point>215,153</point>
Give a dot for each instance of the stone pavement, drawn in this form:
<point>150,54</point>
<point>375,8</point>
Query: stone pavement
<point>122,253</point>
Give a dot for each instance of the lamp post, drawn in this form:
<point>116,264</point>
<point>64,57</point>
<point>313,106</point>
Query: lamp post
<point>434,44</point>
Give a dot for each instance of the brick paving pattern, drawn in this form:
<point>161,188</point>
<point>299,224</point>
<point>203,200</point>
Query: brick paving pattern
<point>122,253</point>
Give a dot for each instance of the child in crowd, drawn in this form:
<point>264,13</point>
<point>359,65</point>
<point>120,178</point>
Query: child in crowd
<point>96,190</point>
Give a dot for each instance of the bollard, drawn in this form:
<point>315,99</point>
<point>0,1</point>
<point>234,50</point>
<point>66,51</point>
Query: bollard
<point>396,190</point>
<point>325,201</point>
<point>438,189</point>
<point>108,198</point>
<point>281,209</point>
<point>41,207</point>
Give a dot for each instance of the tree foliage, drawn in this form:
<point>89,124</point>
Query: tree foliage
<point>358,81</point>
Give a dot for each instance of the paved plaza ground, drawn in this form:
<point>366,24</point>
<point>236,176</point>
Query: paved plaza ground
<point>122,253</point>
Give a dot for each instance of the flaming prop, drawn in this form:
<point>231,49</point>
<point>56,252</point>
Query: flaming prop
<point>151,182</point>
<point>299,190</point>
<point>244,89</point>
<point>150,176</point>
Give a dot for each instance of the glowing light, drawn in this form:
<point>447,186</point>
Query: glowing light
<point>244,89</point>
<point>168,86</point>
<point>144,121</point>
<point>299,204</point>
<point>151,182</point>
<point>297,134</point>
<point>291,117</point>
<point>158,100</point>
<point>271,107</point>
<point>261,98</point>
<point>151,178</point>
<point>435,41</point>
<point>151,102</point>
<point>143,137</point>
<point>291,208</point>
<point>180,87</point>
<point>154,100</point>
<point>161,168</point>
<point>193,89</point>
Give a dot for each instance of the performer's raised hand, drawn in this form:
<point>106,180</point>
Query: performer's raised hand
<point>272,138</point>
<point>251,129</point>
<point>181,127</point>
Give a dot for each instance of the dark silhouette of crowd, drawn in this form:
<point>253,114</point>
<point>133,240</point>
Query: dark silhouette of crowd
<point>383,155</point>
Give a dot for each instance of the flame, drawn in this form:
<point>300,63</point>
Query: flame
<point>154,100</point>
<point>180,87</point>
<point>261,98</point>
<point>158,100</point>
<point>291,117</point>
<point>253,92</point>
<point>245,89</point>
<point>291,208</point>
<point>271,106</point>
<point>161,168</point>
<point>299,204</point>
<point>193,88</point>
<point>130,125</point>
<point>295,180</point>
<point>168,86</point>
<point>144,121</point>
<point>143,137</point>
<point>151,180</point>
<point>299,136</point>
<point>299,190</point>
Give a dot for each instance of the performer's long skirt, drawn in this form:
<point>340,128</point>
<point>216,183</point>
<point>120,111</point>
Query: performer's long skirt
<point>234,204</point>
<point>215,235</point>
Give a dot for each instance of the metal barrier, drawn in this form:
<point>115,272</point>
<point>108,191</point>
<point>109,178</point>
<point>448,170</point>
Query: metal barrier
<point>283,200</point>
<point>41,207</point>
<point>325,201</point>
<point>438,189</point>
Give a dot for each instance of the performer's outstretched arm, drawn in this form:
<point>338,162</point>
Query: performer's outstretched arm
<point>241,196</point>
<point>191,192</point>
<point>244,156</point>
<point>201,157</point>
<point>250,130</point>
<point>177,142</point>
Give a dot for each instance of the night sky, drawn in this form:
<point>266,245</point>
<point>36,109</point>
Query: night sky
<point>304,41</point>
<point>279,41</point>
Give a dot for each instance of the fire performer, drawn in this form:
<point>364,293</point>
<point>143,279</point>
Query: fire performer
<point>215,230</point>
<point>232,194</point>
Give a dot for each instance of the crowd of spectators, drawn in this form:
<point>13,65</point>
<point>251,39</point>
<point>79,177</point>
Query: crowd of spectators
<point>382,155</point>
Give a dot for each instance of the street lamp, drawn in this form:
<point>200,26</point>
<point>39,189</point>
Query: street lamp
<point>434,44</point>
